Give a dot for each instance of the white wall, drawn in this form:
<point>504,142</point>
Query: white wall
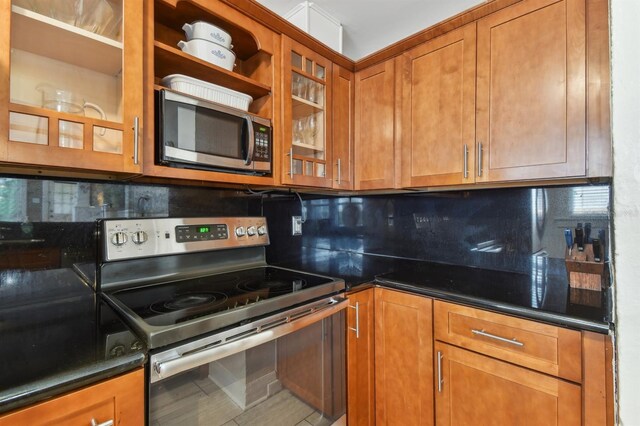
<point>625,38</point>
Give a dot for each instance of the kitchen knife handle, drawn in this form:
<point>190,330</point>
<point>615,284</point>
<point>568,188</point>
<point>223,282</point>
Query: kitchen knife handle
<point>580,238</point>
<point>596,250</point>
<point>466,161</point>
<point>568,236</point>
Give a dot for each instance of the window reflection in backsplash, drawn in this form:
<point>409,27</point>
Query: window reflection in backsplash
<point>50,224</point>
<point>505,229</point>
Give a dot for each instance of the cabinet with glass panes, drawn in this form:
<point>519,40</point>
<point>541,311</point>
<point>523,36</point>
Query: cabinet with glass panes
<point>307,100</point>
<point>72,98</point>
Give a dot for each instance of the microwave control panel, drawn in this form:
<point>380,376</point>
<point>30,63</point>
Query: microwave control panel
<point>262,150</point>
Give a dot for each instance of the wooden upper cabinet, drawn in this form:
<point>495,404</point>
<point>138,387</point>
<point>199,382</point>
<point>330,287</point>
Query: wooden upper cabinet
<point>375,127</point>
<point>403,358</point>
<point>531,97</point>
<point>255,73</point>
<point>120,400</point>
<point>360,359</point>
<point>438,110</point>
<point>71,96</point>
<point>473,389</point>
<point>307,116</point>
<point>343,86</point>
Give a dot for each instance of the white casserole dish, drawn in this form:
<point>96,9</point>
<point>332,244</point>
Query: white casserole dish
<point>210,52</point>
<point>208,91</point>
<point>205,31</point>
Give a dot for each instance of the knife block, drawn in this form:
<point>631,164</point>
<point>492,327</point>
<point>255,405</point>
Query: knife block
<point>582,270</point>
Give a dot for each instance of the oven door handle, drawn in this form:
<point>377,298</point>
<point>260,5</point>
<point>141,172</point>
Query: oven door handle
<point>252,140</point>
<point>164,369</point>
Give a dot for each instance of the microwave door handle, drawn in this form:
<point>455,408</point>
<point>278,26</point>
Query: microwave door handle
<point>252,140</point>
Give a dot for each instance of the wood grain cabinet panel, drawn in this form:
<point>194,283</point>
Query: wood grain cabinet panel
<point>542,347</point>
<point>120,399</point>
<point>531,91</point>
<point>343,83</point>
<point>474,389</point>
<point>438,111</point>
<point>403,358</point>
<point>360,359</point>
<point>375,126</point>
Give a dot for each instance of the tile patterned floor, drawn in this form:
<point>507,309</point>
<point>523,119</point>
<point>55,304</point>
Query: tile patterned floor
<point>190,401</point>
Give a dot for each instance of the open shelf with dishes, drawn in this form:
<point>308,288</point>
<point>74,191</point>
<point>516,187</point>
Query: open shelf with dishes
<point>178,47</point>
<point>251,72</point>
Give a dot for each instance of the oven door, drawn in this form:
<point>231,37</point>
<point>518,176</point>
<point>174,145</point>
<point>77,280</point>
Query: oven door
<point>287,369</point>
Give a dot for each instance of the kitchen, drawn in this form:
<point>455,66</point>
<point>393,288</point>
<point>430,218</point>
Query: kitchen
<point>53,200</point>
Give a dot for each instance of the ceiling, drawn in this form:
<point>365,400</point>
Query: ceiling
<point>370,25</point>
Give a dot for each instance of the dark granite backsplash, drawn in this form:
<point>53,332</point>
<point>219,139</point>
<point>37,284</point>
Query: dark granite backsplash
<point>501,229</point>
<point>49,224</point>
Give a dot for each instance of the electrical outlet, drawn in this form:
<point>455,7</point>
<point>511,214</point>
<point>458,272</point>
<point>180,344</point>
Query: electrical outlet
<point>296,225</point>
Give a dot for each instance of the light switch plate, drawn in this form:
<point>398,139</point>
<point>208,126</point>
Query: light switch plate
<point>296,225</point>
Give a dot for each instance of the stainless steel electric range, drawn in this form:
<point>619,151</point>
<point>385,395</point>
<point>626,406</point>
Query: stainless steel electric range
<point>245,337</point>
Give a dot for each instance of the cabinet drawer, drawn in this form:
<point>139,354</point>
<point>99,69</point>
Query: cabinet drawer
<point>542,347</point>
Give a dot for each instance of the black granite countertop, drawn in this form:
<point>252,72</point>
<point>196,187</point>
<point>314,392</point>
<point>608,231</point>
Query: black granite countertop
<point>57,335</point>
<point>542,294</point>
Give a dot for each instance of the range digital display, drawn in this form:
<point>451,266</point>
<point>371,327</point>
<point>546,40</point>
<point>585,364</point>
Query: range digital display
<point>190,233</point>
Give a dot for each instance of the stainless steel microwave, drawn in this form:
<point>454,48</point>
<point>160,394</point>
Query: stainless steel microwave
<point>198,134</point>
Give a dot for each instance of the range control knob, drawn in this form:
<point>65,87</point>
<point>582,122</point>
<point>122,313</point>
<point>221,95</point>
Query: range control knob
<point>262,230</point>
<point>118,238</point>
<point>240,231</point>
<point>251,231</point>
<point>139,237</point>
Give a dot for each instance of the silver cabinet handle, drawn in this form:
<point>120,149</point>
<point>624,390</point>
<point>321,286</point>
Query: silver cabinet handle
<point>466,161</point>
<point>136,139</point>
<point>513,341</point>
<point>290,154</point>
<point>339,164</point>
<point>440,379</point>
<point>357,329</point>
<point>479,159</point>
<point>107,423</point>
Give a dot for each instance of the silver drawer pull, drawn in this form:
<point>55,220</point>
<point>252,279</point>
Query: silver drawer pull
<point>107,423</point>
<point>513,341</point>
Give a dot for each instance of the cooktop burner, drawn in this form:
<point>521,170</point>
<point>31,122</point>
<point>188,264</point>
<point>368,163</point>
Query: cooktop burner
<point>179,301</point>
<point>188,301</point>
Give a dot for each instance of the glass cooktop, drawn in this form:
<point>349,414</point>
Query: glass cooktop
<point>183,300</point>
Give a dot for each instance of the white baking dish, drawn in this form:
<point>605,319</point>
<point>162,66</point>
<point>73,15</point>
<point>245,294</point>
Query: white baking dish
<point>210,52</point>
<point>208,91</point>
<point>205,31</point>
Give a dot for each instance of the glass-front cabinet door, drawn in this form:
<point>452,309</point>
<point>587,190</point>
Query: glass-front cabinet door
<point>73,96</point>
<point>307,100</point>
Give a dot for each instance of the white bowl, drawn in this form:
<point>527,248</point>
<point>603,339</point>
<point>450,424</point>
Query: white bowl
<point>209,91</point>
<point>206,31</point>
<point>210,52</point>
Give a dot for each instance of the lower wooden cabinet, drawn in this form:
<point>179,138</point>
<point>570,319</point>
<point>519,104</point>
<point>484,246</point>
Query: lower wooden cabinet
<point>474,389</point>
<point>434,362</point>
<point>120,399</point>
<point>360,363</point>
<point>403,358</point>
